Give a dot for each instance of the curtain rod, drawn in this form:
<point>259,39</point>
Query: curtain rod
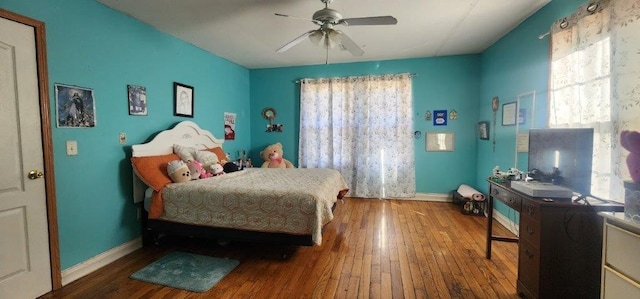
<point>410,75</point>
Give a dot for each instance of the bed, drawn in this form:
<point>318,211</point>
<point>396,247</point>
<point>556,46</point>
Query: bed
<point>289,206</point>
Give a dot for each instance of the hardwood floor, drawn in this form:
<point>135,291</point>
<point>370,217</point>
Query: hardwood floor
<point>372,249</point>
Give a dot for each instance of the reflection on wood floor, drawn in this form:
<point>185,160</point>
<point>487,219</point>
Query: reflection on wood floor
<point>372,249</point>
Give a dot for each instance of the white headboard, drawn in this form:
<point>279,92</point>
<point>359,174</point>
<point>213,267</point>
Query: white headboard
<point>186,133</point>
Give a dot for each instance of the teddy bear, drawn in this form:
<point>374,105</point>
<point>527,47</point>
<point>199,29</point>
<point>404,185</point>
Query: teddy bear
<point>630,140</point>
<point>272,156</point>
<point>178,171</point>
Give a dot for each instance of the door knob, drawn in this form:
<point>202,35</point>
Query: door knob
<point>35,174</point>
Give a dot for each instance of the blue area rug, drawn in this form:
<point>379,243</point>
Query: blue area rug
<point>187,271</point>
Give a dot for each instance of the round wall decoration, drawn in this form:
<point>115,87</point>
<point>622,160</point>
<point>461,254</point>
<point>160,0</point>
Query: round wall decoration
<point>269,113</point>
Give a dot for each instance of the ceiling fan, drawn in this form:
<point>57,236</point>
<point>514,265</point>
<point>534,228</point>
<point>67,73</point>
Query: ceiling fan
<point>327,18</point>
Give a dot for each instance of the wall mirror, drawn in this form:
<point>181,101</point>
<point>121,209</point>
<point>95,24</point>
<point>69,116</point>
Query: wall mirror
<point>525,120</point>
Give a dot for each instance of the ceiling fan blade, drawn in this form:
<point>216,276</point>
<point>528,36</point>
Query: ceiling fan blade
<point>294,42</point>
<point>297,18</point>
<point>381,20</point>
<point>347,44</point>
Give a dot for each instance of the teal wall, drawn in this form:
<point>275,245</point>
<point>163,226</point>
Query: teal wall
<point>442,83</point>
<point>516,64</point>
<point>93,46</point>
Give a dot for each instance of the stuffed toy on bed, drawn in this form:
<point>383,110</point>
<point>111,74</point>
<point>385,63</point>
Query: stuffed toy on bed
<point>272,156</point>
<point>217,169</point>
<point>197,170</point>
<point>178,171</point>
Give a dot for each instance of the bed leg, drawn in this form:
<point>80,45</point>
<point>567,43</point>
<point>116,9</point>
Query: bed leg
<point>149,237</point>
<point>156,239</point>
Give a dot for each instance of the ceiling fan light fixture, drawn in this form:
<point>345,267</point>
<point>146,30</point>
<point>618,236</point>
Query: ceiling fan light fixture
<point>316,37</point>
<point>335,36</point>
<point>330,43</point>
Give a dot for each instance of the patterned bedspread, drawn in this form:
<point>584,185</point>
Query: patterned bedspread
<point>295,201</point>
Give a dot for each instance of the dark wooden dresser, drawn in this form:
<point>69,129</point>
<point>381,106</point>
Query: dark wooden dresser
<point>560,243</point>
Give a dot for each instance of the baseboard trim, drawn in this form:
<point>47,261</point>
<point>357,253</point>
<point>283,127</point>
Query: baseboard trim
<point>506,222</point>
<point>73,273</point>
<point>439,197</point>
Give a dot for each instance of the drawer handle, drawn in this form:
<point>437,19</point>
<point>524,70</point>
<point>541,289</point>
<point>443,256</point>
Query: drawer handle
<point>530,210</point>
<point>530,230</point>
<point>528,253</point>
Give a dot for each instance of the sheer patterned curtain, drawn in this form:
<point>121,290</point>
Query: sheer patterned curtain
<point>595,83</point>
<point>360,126</point>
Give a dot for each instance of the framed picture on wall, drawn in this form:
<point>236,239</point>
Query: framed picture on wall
<point>75,106</point>
<point>183,99</point>
<point>509,114</point>
<point>483,130</point>
<point>137,100</point>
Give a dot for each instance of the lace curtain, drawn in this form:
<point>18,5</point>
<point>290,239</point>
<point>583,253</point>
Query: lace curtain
<point>595,83</point>
<point>360,126</point>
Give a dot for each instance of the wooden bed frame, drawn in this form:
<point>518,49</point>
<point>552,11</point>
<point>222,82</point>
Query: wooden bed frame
<point>189,134</point>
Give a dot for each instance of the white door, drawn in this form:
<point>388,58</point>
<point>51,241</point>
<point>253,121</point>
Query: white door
<point>24,240</point>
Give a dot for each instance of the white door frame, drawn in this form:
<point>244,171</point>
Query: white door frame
<point>47,140</point>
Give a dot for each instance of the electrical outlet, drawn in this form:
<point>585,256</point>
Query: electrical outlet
<point>123,138</point>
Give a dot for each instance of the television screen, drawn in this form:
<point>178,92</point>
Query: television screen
<point>562,157</point>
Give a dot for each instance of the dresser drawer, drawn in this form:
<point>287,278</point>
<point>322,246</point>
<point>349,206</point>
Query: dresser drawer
<point>622,249</point>
<point>529,229</point>
<point>509,198</point>
<point>531,208</point>
<point>529,267</point>
<point>616,286</point>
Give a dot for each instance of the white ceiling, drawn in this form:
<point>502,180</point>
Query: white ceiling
<point>247,32</point>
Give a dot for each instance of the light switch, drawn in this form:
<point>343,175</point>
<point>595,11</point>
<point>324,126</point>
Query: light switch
<point>72,148</point>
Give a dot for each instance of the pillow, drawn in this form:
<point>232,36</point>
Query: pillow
<point>184,152</point>
<point>222,156</point>
<point>152,170</point>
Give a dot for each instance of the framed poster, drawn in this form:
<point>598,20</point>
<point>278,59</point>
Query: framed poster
<point>137,100</point>
<point>75,107</point>
<point>509,114</point>
<point>183,100</point>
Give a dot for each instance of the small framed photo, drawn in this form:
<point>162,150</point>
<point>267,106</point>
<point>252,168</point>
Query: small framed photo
<point>509,114</point>
<point>440,142</point>
<point>483,130</point>
<point>137,100</point>
<point>183,99</point>
<point>75,107</point>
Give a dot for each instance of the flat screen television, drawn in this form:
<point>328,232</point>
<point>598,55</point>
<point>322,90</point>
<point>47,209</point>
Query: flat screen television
<point>562,157</point>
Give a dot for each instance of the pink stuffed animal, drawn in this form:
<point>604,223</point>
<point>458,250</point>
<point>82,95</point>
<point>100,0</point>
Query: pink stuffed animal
<point>197,170</point>
<point>630,140</point>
